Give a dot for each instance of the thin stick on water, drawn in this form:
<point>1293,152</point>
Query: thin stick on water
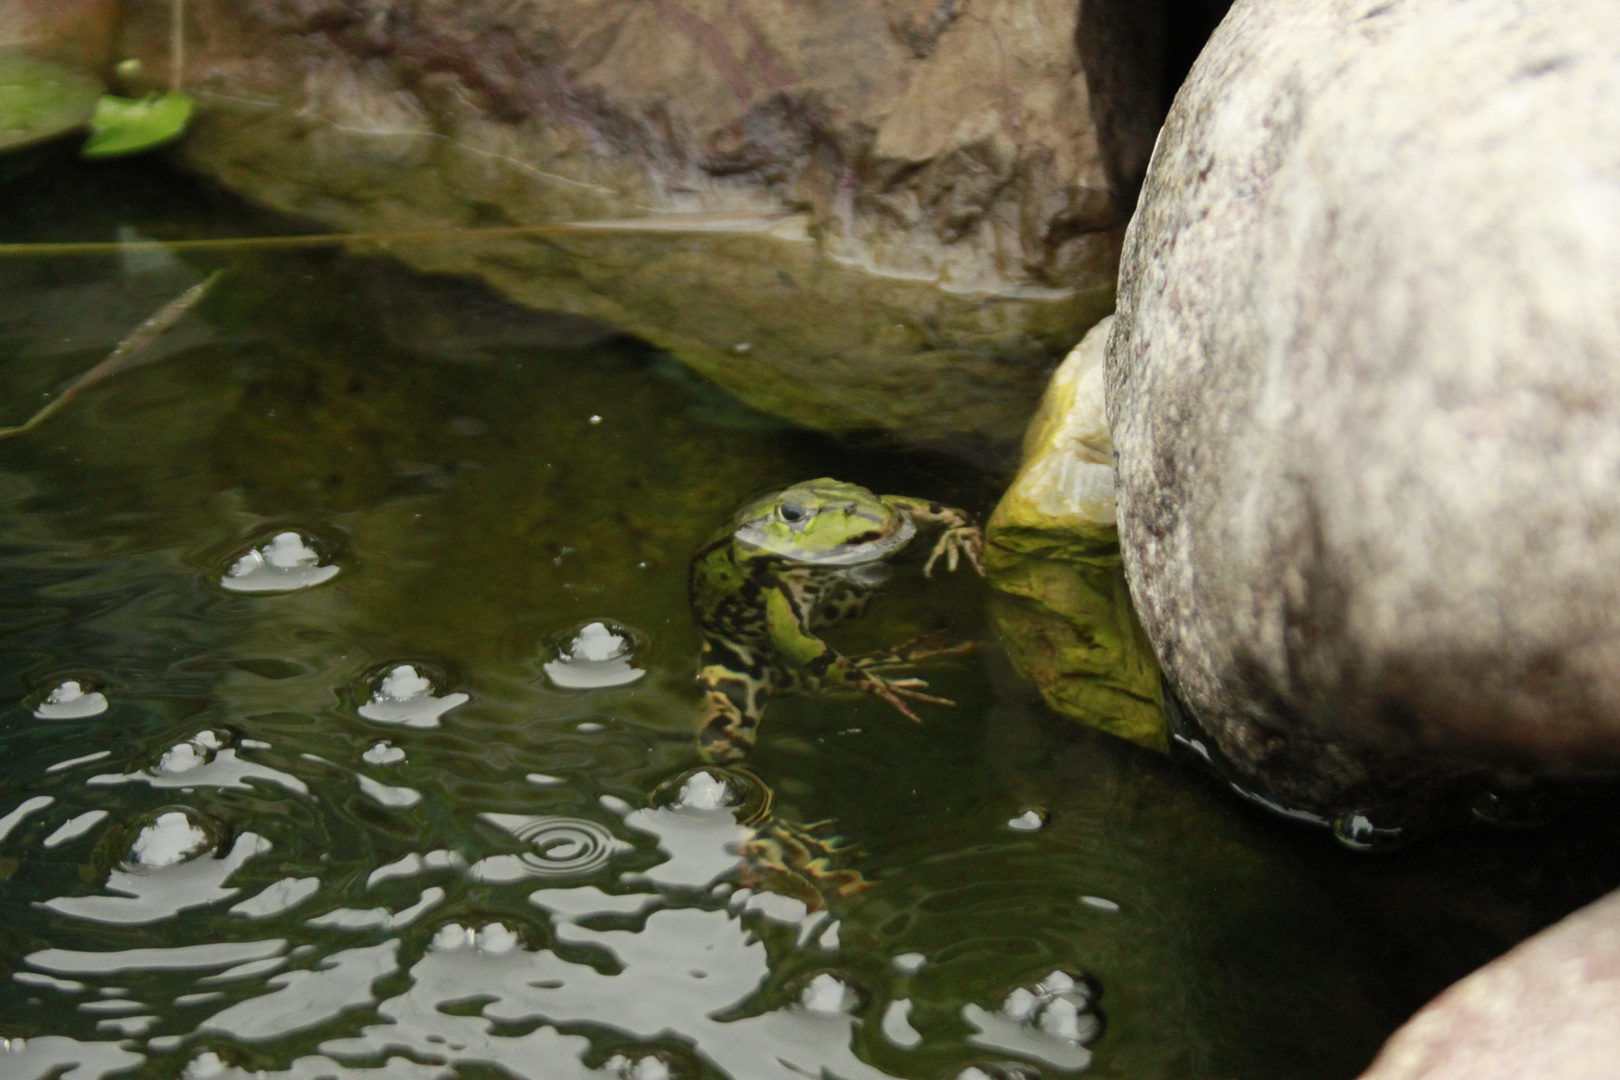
<point>142,336</point>
<point>177,42</point>
<point>694,224</point>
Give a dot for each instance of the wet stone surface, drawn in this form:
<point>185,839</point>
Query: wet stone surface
<point>360,829</point>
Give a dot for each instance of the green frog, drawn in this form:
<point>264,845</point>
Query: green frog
<point>791,564</point>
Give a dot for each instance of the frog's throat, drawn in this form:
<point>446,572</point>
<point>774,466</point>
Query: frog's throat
<point>752,536</point>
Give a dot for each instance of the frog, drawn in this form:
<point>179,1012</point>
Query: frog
<point>792,564</point>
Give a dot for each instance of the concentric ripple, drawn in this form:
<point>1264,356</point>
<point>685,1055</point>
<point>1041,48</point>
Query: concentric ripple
<point>560,847</point>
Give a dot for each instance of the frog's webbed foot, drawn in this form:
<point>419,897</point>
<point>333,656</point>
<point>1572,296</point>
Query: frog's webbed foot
<point>922,648</point>
<point>955,544</point>
<point>894,690</point>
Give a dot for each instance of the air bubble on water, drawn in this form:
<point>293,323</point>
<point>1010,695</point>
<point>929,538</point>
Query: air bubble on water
<point>452,936</point>
<point>714,793</point>
<point>595,655</point>
<point>1020,1004</point>
<point>704,790</point>
<point>1029,821</point>
<point>71,700</point>
<point>646,1067</point>
<point>205,1066</point>
<point>405,695</point>
<point>1053,1019</point>
<point>382,753</point>
<point>285,563</point>
<point>173,837</point>
<point>495,939</point>
<point>1358,832</point>
<point>828,995</point>
<point>996,1070</point>
<point>194,753</point>
<point>1062,1017</point>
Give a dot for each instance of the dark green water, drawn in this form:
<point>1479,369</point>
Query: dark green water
<point>502,894</point>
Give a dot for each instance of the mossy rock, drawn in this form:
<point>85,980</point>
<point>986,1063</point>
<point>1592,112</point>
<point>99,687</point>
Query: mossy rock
<point>1061,604</point>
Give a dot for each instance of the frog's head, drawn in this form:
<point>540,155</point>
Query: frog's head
<point>824,521</point>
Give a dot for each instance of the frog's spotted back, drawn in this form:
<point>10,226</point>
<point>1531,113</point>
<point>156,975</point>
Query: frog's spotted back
<point>791,564</point>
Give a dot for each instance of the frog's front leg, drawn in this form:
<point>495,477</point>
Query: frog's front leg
<point>797,646</point>
<point>961,538</point>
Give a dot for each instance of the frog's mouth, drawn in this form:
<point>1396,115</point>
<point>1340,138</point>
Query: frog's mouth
<point>879,547</point>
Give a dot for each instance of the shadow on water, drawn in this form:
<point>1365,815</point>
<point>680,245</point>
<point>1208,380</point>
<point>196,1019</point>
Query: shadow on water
<point>356,829</point>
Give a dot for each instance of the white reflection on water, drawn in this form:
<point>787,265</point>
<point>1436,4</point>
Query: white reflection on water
<point>24,808</point>
<point>306,999</point>
<point>679,970</point>
<point>380,918</point>
<point>179,958</point>
<point>75,827</point>
<point>156,892</point>
<point>37,1058</point>
<point>201,762</point>
<point>685,967</point>
<point>277,897</point>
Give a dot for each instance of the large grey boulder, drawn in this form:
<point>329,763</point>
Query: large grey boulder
<point>1550,1009</point>
<point>854,213</point>
<point>1365,393</point>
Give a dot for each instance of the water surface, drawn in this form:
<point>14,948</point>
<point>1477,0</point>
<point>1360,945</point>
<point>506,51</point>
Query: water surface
<point>333,817</point>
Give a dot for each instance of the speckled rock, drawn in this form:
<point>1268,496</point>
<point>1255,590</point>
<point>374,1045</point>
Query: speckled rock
<point>1365,385</point>
<point>1549,1008</point>
<point>913,207</point>
<point>1061,605</point>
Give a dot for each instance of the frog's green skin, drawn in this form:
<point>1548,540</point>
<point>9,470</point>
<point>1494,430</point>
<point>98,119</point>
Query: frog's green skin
<point>789,565</point>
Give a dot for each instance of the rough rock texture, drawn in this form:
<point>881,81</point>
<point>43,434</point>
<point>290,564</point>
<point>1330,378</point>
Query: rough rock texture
<point>78,32</point>
<point>1548,1009</point>
<point>921,199</point>
<point>1365,390</point>
<point>1061,605</point>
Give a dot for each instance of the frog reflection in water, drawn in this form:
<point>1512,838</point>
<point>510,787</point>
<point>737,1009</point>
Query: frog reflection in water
<point>792,564</point>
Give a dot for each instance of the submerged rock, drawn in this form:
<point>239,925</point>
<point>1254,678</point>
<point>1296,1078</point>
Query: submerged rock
<point>1366,396</point>
<point>1052,553</point>
<point>867,214</point>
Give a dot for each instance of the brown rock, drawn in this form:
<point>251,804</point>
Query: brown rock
<point>76,32</point>
<point>922,202</point>
<point>1549,1009</point>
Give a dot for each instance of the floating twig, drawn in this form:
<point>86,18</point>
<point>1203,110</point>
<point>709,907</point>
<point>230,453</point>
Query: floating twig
<point>142,336</point>
<point>699,223</point>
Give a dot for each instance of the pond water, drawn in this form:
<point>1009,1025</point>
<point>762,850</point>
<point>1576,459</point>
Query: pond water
<point>306,770</point>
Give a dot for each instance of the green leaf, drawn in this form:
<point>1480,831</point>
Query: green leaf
<point>126,126</point>
<point>41,100</point>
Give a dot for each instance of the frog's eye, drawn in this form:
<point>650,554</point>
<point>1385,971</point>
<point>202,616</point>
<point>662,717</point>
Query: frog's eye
<point>791,511</point>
